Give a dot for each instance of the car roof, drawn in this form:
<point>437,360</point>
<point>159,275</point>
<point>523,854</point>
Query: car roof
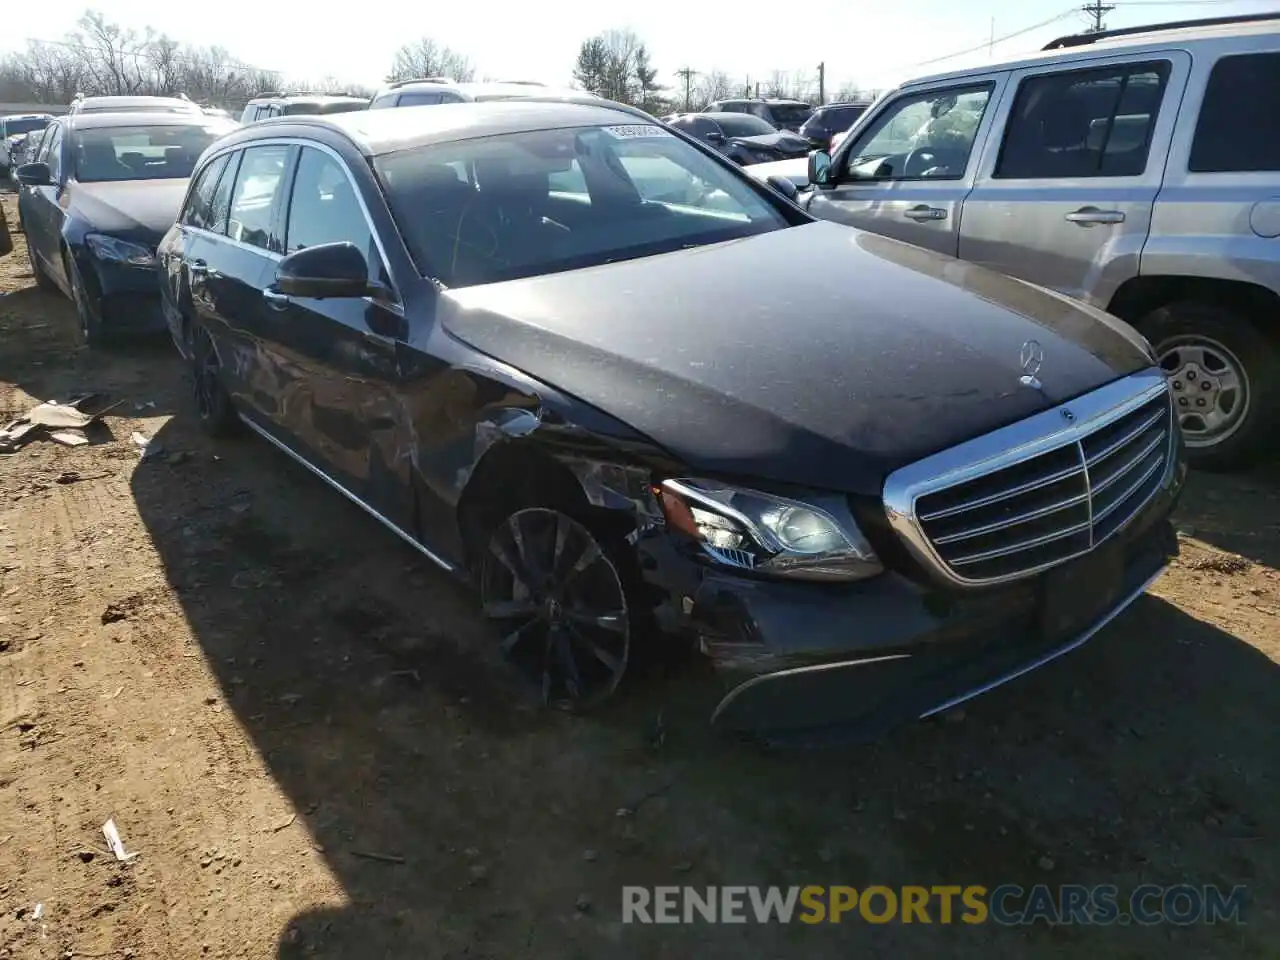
<point>1156,39</point>
<point>312,97</point>
<point>376,132</point>
<point>838,104</point>
<point>125,101</point>
<point>123,118</point>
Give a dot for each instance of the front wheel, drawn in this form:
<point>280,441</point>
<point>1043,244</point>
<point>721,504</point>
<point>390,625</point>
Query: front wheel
<point>558,597</point>
<point>43,280</point>
<point>88,312</point>
<point>1224,375</point>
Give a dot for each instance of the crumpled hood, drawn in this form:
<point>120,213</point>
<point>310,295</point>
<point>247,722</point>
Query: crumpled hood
<point>814,355</point>
<point>136,207</point>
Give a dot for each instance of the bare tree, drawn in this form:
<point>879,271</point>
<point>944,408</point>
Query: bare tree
<point>165,59</point>
<point>616,64</point>
<point>711,87</point>
<point>427,58</point>
<point>848,91</point>
<point>111,55</point>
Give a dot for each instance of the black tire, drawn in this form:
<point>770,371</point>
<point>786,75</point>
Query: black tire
<point>213,404</point>
<point>1225,378</point>
<point>583,604</point>
<point>88,309</point>
<point>43,280</point>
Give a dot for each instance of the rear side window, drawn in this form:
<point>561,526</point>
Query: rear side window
<point>52,151</point>
<point>253,202</point>
<point>1239,126</point>
<point>200,200</point>
<point>220,206</point>
<point>1083,123</point>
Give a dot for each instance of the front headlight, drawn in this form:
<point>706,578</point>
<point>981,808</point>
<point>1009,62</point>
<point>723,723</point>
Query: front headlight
<point>768,533</point>
<point>115,250</point>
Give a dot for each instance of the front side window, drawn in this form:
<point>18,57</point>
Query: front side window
<point>1239,126</point>
<point>412,99</point>
<point>553,200</point>
<point>324,207</point>
<point>1083,123</point>
<point>104,154</point>
<point>253,201</point>
<point>199,209</point>
<point>51,153</point>
<point>926,136</point>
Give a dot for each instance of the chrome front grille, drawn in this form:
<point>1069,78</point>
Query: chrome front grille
<point>1067,480</point>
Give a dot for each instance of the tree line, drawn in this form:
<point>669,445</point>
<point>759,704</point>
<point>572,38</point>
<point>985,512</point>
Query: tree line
<point>103,58</point>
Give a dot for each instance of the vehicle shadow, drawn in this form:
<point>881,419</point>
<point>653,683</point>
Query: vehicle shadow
<point>1237,512</point>
<point>460,820</point>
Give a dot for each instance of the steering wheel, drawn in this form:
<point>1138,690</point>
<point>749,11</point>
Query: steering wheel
<point>918,161</point>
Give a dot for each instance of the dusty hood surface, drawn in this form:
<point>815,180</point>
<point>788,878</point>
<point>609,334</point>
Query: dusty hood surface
<point>132,206</point>
<point>815,355</point>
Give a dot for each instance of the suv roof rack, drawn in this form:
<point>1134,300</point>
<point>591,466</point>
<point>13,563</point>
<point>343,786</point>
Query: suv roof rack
<point>400,83</point>
<point>1084,39</point>
<point>520,83</point>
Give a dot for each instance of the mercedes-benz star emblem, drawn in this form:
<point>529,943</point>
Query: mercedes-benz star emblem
<point>1032,358</point>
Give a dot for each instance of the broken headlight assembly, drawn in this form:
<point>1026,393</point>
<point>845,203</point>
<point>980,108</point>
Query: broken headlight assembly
<point>767,533</point>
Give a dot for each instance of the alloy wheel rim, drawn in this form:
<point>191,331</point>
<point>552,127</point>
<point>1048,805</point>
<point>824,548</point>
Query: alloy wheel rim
<point>560,605</point>
<point>1210,387</point>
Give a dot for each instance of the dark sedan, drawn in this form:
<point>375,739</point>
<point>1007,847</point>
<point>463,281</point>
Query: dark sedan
<point>96,200</point>
<point>829,120</point>
<point>865,480</point>
<point>741,137</point>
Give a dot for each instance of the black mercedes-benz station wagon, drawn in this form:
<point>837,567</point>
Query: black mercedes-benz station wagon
<point>634,396</point>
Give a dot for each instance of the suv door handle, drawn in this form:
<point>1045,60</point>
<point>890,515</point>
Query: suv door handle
<point>923,212</point>
<point>275,299</point>
<point>1088,216</point>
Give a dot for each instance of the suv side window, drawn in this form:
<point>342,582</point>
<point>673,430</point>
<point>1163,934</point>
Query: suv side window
<point>416,99</point>
<point>324,207</point>
<point>200,200</point>
<point>1083,123</point>
<point>253,202</point>
<point>220,206</point>
<point>1239,126</point>
<point>925,136</point>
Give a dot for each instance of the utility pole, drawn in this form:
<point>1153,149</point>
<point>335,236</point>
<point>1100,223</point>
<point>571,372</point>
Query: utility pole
<point>757,89</point>
<point>687,74</point>
<point>1097,9</point>
<point>822,83</point>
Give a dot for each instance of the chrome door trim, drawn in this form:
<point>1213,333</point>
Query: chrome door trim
<point>389,524</point>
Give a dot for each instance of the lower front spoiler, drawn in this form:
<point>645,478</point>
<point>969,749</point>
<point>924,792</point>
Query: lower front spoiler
<point>875,694</point>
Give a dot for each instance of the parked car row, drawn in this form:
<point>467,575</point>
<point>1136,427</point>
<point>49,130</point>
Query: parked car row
<point>871,481</point>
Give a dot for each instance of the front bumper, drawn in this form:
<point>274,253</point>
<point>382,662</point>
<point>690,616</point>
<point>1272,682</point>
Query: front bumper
<point>804,662</point>
<point>127,298</point>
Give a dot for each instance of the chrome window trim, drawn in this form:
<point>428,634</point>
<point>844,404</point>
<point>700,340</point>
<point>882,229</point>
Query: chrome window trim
<point>1062,425</point>
<point>396,304</point>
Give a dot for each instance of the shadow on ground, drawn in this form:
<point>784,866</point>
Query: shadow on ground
<point>461,821</point>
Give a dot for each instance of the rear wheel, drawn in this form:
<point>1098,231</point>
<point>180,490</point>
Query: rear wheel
<point>213,405</point>
<point>1225,378</point>
<point>558,595</point>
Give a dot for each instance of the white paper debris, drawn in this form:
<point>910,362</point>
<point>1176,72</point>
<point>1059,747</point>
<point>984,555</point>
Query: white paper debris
<point>38,912</point>
<point>114,842</point>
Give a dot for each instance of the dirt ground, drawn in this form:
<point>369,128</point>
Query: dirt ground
<point>300,728</point>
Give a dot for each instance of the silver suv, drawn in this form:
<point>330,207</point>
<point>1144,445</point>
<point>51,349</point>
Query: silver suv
<point>434,90</point>
<point>1137,170</point>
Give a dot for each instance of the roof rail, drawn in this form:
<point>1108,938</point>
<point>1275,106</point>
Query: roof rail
<point>521,83</point>
<point>1084,39</point>
<point>267,93</point>
<point>400,83</point>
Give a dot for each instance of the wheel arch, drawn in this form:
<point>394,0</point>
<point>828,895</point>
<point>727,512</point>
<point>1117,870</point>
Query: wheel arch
<point>1139,296</point>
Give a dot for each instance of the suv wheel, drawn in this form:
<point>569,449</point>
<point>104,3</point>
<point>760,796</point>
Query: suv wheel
<point>1225,379</point>
<point>558,598</point>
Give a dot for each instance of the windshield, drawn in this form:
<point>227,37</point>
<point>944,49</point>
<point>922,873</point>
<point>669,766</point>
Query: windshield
<point>790,114</point>
<point>312,107</point>
<point>743,125</point>
<point>24,125</point>
<point>524,204</point>
<point>142,153</point>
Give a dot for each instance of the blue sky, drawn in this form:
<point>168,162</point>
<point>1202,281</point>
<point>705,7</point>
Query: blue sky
<point>872,44</point>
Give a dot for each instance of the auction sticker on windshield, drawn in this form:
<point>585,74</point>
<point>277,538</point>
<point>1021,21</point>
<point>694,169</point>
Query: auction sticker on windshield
<point>635,131</point>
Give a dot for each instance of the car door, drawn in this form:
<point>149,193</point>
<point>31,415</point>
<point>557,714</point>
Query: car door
<point>1064,198</point>
<point>231,266</point>
<point>336,358</point>
<point>185,244</point>
<point>906,172</point>
<point>41,210</point>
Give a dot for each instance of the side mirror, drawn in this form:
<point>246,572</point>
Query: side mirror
<point>325,270</point>
<point>34,175</point>
<point>819,168</point>
<point>784,185</point>
<point>715,136</point>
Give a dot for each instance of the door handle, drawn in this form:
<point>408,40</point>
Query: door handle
<point>275,299</point>
<point>923,212</point>
<point>1088,216</point>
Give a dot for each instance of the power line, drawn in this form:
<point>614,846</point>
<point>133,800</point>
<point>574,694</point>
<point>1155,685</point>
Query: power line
<point>987,44</point>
